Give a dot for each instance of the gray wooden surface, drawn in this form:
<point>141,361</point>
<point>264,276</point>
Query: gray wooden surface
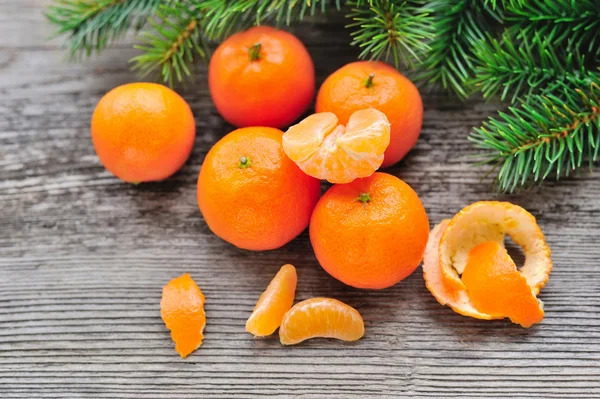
<point>83,258</point>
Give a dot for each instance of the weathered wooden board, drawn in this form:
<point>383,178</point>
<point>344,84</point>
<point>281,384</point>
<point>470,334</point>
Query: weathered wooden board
<point>83,258</point>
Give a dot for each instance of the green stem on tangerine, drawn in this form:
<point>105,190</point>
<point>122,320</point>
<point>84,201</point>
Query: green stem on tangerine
<point>244,162</point>
<point>364,198</point>
<point>254,52</point>
<point>369,81</point>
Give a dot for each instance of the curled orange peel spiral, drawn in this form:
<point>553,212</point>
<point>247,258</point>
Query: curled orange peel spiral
<point>451,248</point>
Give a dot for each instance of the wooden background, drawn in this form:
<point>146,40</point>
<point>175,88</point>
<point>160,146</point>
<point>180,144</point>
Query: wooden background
<point>83,258</point>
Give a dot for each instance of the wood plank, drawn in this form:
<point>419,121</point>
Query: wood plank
<point>83,258</point>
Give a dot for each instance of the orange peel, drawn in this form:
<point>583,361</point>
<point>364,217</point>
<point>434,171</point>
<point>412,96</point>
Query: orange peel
<point>273,303</point>
<point>449,251</point>
<point>182,310</point>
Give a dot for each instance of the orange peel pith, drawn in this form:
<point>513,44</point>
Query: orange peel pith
<point>321,318</point>
<point>451,248</point>
<point>273,303</point>
<point>182,310</point>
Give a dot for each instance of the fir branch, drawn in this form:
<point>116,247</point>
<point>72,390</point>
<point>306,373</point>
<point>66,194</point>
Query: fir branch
<point>570,24</point>
<point>512,68</point>
<point>225,17</point>
<point>398,30</point>
<point>93,24</point>
<point>553,133</point>
<point>458,26</point>
<point>174,45</point>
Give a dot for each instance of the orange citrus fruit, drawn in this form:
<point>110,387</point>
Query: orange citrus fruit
<point>365,84</point>
<point>321,318</point>
<point>324,149</point>
<point>370,233</point>
<point>261,77</point>
<point>143,132</point>
<point>182,310</point>
<point>251,194</point>
<point>277,299</point>
<point>497,288</point>
<point>492,287</point>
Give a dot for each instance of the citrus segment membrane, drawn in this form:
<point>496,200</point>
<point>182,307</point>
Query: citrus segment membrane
<point>182,310</point>
<point>324,149</point>
<point>321,318</point>
<point>497,288</point>
<point>273,303</point>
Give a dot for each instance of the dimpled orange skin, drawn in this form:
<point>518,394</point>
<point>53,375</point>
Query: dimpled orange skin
<point>497,288</point>
<point>374,244</point>
<point>182,310</point>
<point>345,92</point>
<point>274,90</point>
<point>143,132</point>
<point>259,207</point>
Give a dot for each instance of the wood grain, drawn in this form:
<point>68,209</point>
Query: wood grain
<point>83,258</point>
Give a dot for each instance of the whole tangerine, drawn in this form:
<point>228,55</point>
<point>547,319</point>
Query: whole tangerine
<point>251,194</point>
<point>261,77</point>
<point>375,84</point>
<point>370,233</point>
<point>143,132</point>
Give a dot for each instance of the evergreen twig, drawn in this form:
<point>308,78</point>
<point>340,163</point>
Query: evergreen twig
<point>458,25</point>
<point>174,46</point>
<point>392,30</point>
<point>509,68</point>
<point>94,24</point>
<point>552,133</point>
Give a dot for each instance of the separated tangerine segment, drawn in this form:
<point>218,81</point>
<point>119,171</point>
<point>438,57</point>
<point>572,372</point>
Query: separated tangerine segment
<point>497,288</point>
<point>324,149</point>
<point>273,303</point>
<point>182,310</point>
<point>321,318</point>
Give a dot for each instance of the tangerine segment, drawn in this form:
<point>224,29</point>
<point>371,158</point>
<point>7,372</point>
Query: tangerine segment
<point>437,284</point>
<point>486,221</point>
<point>321,318</point>
<point>324,149</point>
<point>496,287</point>
<point>182,310</point>
<point>273,303</point>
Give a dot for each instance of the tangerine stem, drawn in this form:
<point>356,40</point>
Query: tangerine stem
<point>244,162</point>
<point>369,81</point>
<point>254,52</point>
<point>364,198</point>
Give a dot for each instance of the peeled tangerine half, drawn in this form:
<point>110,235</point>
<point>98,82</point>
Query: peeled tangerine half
<point>182,310</point>
<point>324,149</point>
<point>322,318</point>
<point>467,267</point>
<point>272,305</point>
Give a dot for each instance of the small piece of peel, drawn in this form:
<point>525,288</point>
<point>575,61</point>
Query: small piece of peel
<point>182,310</point>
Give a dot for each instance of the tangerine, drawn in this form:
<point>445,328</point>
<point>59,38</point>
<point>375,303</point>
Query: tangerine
<point>251,194</point>
<point>143,132</point>
<point>326,150</point>
<point>370,233</point>
<point>261,77</point>
<point>321,318</point>
<point>365,84</point>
